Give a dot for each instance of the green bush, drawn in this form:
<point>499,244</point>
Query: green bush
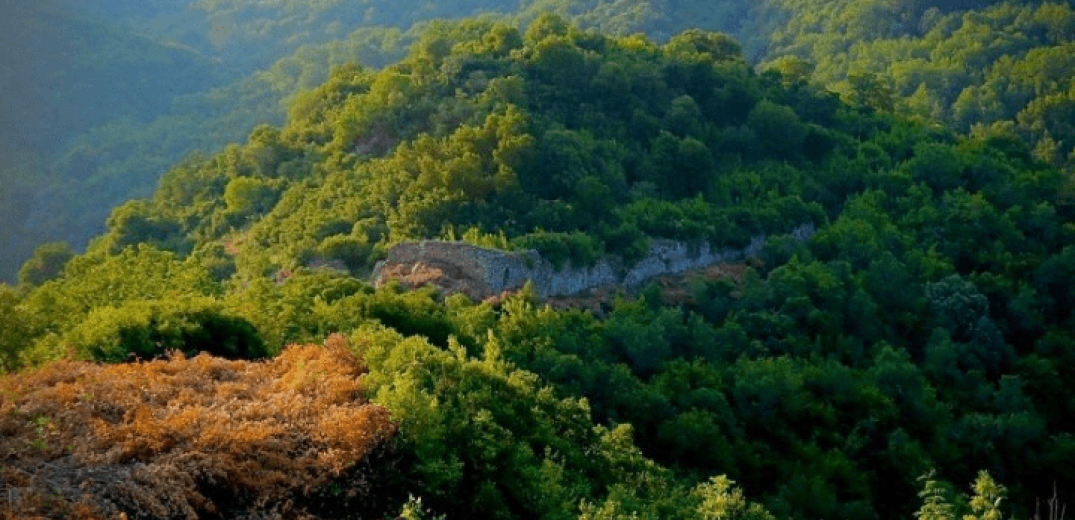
<point>47,263</point>
<point>354,252</point>
<point>150,328</point>
<point>250,196</point>
<point>14,329</point>
<point>576,247</point>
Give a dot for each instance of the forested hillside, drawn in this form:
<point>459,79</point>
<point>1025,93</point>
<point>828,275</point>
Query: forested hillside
<point>63,75</point>
<point>967,64</point>
<point>999,64</point>
<point>268,52</point>
<point>252,34</point>
<point>918,343</point>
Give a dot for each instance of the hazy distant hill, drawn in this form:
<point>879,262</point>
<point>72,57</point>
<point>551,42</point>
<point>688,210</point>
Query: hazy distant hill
<point>64,74</point>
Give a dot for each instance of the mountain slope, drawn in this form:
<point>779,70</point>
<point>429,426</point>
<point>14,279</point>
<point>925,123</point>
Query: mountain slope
<point>970,65</point>
<point>64,75</point>
<point>924,326</point>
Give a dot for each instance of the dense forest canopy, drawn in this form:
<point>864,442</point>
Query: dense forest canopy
<point>913,357</point>
<point>263,53</point>
<point>968,64</point>
<point>1000,64</point>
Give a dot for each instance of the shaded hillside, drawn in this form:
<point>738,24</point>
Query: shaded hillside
<point>64,75</point>
<point>251,34</point>
<point>67,73</point>
<point>120,160</point>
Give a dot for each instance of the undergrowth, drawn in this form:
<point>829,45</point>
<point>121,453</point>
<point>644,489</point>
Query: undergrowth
<point>200,437</point>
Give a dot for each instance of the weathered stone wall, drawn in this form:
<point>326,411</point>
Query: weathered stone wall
<point>482,273</point>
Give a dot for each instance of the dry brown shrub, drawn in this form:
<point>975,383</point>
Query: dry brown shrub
<point>186,438</point>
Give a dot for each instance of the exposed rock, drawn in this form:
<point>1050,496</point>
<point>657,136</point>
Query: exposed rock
<point>485,273</point>
<point>674,289</point>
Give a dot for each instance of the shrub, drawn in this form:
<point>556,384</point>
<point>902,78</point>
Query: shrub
<point>148,329</point>
<point>250,196</point>
<point>198,437</point>
<point>47,263</point>
<point>559,248</point>
<point>15,333</point>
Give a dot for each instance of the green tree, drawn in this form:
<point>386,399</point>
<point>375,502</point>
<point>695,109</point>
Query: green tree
<point>985,503</point>
<point>135,222</point>
<point>935,502</point>
<point>246,196</point>
<point>148,329</point>
<point>793,70</point>
<point>15,329</point>
<point>46,264</point>
<point>937,165</point>
<point>489,440</point>
<point>710,45</point>
<point>721,500</point>
<point>778,129</point>
<point>867,89</point>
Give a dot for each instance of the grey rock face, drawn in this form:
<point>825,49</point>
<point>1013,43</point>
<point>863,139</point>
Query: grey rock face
<point>489,272</point>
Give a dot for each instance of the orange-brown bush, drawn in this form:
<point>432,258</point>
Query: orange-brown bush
<point>187,438</point>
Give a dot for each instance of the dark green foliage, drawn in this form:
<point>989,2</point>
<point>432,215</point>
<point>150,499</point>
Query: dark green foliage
<point>971,65</point>
<point>16,332</point>
<point>148,329</point>
<point>561,248</point>
<point>777,129</point>
<point>47,263</point>
<point>132,223</point>
<point>1049,279</point>
<point>925,325</point>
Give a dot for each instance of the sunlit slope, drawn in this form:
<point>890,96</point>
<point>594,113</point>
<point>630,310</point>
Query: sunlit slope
<point>296,43</point>
<point>560,136</point>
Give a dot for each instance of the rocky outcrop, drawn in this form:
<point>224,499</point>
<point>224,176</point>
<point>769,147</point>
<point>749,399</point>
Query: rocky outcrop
<point>482,273</point>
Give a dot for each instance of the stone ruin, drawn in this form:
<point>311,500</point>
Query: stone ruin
<point>483,273</point>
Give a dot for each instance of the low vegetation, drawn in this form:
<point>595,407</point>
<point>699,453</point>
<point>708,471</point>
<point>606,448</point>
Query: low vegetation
<point>199,437</point>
